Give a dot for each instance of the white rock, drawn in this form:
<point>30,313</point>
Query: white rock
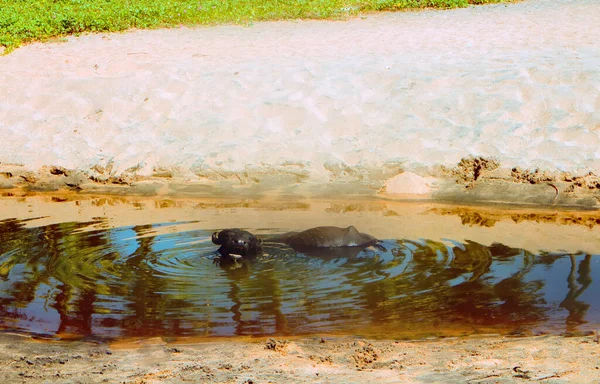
<point>407,183</point>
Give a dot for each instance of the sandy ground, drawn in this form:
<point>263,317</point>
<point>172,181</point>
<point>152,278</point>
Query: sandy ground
<point>384,103</point>
<point>493,359</point>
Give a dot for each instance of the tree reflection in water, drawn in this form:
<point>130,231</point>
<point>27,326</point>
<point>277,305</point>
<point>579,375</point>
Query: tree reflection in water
<point>68,279</point>
<point>577,283</point>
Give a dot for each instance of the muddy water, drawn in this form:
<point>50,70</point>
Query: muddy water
<point>113,268</point>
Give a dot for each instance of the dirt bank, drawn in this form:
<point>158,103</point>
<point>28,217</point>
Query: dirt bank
<point>472,180</point>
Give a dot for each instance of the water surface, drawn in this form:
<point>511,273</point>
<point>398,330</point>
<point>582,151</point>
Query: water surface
<point>87,279</point>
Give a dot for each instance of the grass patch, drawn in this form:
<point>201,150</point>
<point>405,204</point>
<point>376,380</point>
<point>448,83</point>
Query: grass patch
<point>23,21</point>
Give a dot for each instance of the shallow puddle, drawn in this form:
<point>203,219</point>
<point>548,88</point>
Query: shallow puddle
<point>66,274</point>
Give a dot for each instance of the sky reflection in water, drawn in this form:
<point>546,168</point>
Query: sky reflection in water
<point>67,280</point>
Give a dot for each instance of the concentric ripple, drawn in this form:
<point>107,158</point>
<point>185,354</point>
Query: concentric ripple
<point>88,280</point>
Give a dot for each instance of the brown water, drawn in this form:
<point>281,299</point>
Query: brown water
<point>92,279</point>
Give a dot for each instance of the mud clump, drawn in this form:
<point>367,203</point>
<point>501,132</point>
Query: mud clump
<point>365,356</point>
<point>106,175</point>
<point>590,181</point>
<point>571,183</point>
<point>29,177</point>
<point>54,178</point>
<point>322,359</point>
<point>277,345</point>
<point>58,171</point>
<point>532,177</point>
<point>471,169</point>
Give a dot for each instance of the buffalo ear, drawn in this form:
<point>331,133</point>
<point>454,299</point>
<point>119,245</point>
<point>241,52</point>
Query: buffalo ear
<point>215,238</point>
<point>259,241</point>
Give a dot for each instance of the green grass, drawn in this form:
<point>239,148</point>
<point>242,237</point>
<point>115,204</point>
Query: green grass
<point>23,21</point>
